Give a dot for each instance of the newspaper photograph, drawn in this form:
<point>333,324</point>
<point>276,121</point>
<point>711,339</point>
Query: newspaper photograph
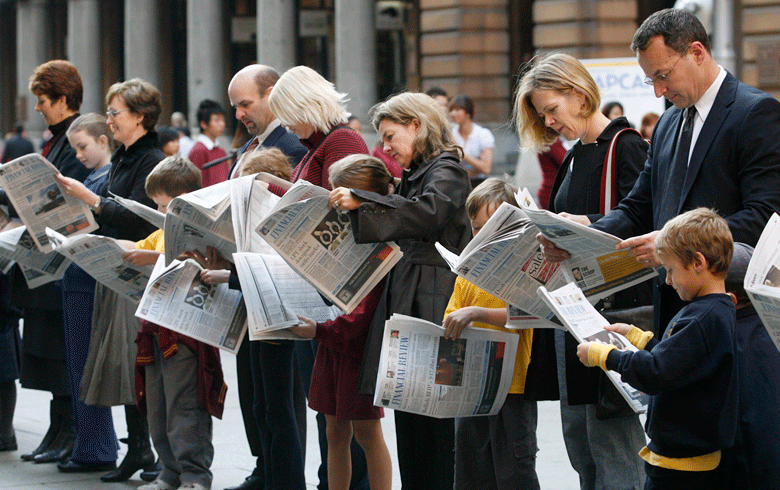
<point>596,267</point>
<point>16,244</point>
<point>250,203</point>
<point>101,258</point>
<point>198,220</point>
<point>40,202</point>
<point>505,260</point>
<point>422,372</point>
<point>35,278</point>
<point>587,325</point>
<point>156,218</point>
<point>274,293</point>
<point>177,299</point>
<point>762,278</point>
<point>519,319</point>
<point>319,244</point>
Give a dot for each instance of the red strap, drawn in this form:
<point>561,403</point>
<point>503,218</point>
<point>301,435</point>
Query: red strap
<point>609,184</point>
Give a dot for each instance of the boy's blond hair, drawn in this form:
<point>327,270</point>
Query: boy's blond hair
<point>492,191</point>
<point>360,171</point>
<point>268,160</point>
<point>699,230</point>
<point>173,176</point>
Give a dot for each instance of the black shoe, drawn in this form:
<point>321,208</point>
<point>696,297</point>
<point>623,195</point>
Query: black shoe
<point>71,466</point>
<point>59,450</point>
<point>152,475</point>
<point>55,422</point>
<point>8,444</point>
<point>137,458</point>
<point>252,482</point>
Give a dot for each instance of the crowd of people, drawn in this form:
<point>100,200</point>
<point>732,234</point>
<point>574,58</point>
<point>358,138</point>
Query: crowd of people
<point>684,196</point>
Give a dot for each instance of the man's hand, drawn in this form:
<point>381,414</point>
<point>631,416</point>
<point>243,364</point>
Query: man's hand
<point>643,248</point>
<point>577,218</point>
<point>550,251</point>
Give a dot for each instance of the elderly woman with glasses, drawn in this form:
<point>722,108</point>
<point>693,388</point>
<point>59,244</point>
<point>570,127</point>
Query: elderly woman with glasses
<point>133,109</point>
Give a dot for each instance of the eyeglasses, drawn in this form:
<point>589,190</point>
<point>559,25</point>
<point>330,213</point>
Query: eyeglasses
<point>663,77</point>
<point>113,114</point>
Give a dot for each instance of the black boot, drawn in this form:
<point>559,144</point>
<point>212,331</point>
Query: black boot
<point>139,450</point>
<point>62,446</point>
<point>152,475</point>
<point>55,419</point>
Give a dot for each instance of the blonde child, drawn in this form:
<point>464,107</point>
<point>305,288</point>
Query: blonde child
<point>691,373</point>
<point>178,379</point>
<point>499,451</point>
<point>339,355</point>
<point>269,160</point>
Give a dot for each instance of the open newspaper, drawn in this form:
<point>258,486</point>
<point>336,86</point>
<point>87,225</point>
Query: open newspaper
<point>587,325</point>
<point>35,278</point>
<point>17,244</point>
<point>422,372</point>
<point>274,293</point>
<point>318,243</point>
<point>152,216</point>
<point>40,201</point>
<point>177,299</point>
<point>596,267</point>
<point>101,258</point>
<point>762,279</point>
<point>250,203</point>
<point>198,220</point>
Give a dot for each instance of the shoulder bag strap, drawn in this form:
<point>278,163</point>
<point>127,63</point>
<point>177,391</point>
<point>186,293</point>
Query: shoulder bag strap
<point>609,186</point>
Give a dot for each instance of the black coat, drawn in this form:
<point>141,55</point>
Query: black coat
<point>16,147</point>
<point>429,205</point>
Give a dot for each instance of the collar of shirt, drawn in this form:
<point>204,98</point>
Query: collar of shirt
<point>268,130</point>
<point>704,104</point>
<point>207,142</point>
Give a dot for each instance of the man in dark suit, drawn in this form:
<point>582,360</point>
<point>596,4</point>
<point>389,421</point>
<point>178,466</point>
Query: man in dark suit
<point>17,146</point>
<point>729,161</point>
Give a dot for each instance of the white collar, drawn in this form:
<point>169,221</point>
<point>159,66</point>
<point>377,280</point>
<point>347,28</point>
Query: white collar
<point>268,130</point>
<point>207,142</point>
<point>704,104</point>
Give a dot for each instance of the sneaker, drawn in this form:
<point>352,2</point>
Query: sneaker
<point>156,485</point>
<point>193,486</point>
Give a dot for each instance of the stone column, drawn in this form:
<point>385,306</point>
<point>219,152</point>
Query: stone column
<point>84,50</point>
<point>31,50</point>
<point>142,41</point>
<point>356,55</point>
<point>276,34</point>
<point>204,54</point>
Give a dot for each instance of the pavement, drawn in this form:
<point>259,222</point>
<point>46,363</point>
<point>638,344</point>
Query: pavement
<point>232,460</point>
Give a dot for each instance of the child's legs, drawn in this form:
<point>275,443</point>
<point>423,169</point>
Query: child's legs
<point>339,457</point>
<point>473,454</point>
<point>189,423</point>
<point>513,442</point>
<point>368,434</point>
<point>157,416</point>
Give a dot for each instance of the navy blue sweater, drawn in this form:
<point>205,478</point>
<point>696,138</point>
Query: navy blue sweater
<point>692,377</point>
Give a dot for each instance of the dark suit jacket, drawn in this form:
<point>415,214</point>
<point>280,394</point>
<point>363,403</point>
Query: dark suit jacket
<point>16,147</point>
<point>734,168</point>
<point>279,138</point>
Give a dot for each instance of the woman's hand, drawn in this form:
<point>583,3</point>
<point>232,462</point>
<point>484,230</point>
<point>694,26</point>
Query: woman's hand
<point>342,199</point>
<point>550,251</point>
<point>141,257</point>
<point>215,276</point>
<point>74,188</point>
<point>306,330</point>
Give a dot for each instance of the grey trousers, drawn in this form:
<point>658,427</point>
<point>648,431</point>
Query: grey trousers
<point>498,452</point>
<point>180,427</point>
<point>603,452</point>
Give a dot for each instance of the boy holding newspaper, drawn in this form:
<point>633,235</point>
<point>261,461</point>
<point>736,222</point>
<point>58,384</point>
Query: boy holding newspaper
<point>486,448</point>
<point>691,373</point>
<point>178,379</point>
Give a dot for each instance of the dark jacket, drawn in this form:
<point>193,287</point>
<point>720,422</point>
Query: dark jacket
<point>429,206</point>
<point>16,147</point>
<point>129,168</point>
<point>590,385</point>
<point>279,138</point>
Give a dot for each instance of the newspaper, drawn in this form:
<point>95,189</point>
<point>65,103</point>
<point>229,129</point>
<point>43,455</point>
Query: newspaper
<point>250,203</point>
<point>318,243</point>
<point>596,267</point>
<point>16,244</point>
<point>587,325</point>
<point>40,202</point>
<point>156,218</point>
<point>35,278</point>
<point>422,372</point>
<point>101,258</point>
<point>518,319</point>
<point>762,278</point>
<point>175,298</point>
<point>198,220</point>
<point>274,293</point>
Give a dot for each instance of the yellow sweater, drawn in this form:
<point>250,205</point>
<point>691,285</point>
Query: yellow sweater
<point>155,241</point>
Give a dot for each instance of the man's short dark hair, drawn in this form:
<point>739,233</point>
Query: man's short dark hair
<point>679,29</point>
<point>206,109</point>
<point>19,129</point>
<point>436,91</point>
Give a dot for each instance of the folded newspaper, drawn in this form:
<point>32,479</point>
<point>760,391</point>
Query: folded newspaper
<point>198,220</point>
<point>17,244</point>
<point>762,278</point>
<point>587,325</point>
<point>177,299</point>
<point>101,258</point>
<point>318,243</point>
<point>274,293</point>
<point>40,202</point>
<point>250,203</point>
<point>152,216</point>
<point>422,372</point>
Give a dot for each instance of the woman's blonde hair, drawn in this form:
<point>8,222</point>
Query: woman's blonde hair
<point>301,95</point>
<point>141,97</point>
<point>360,171</point>
<point>434,136</point>
<point>561,73</point>
<point>269,160</point>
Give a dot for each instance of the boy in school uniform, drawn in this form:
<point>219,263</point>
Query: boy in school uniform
<point>179,380</point>
<point>691,374</point>
<point>499,451</point>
